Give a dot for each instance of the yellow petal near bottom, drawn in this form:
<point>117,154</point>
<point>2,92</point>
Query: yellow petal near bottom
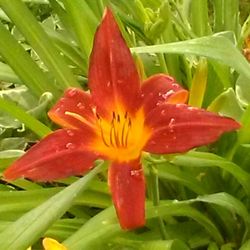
<point>51,244</point>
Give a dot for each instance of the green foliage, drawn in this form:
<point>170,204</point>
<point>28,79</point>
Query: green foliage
<point>198,200</point>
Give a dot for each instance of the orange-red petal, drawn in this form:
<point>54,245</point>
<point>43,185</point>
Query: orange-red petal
<point>73,110</point>
<point>127,186</point>
<point>113,77</point>
<point>178,128</point>
<point>161,89</point>
<point>59,155</point>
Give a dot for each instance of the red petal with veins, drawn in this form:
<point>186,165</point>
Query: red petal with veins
<point>178,128</point>
<point>161,89</point>
<point>59,155</point>
<point>73,101</point>
<point>127,186</point>
<point>113,78</point>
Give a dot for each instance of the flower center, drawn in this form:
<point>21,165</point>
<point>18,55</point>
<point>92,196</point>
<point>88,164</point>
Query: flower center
<point>122,137</point>
<point>116,133</point>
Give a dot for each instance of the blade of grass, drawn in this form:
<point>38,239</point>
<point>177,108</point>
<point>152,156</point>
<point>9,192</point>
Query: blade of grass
<point>26,230</point>
<point>83,25</point>
<point>202,159</point>
<point>27,70</point>
<point>40,41</point>
<point>32,123</point>
<point>216,47</point>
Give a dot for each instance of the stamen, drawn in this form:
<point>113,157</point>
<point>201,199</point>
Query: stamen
<point>80,118</point>
<point>118,133</point>
<point>129,127</point>
<point>110,133</point>
<point>102,134</point>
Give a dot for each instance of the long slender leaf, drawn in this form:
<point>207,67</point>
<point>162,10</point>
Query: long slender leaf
<point>40,41</point>
<point>215,47</point>
<point>202,159</point>
<point>26,230</point>
<point>22,64</point>
<point>32,123</point>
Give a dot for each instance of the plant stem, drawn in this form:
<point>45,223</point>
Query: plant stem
<point>156,197</point>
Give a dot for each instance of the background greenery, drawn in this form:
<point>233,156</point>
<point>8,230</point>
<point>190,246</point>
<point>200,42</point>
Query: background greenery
<point>198,200</point>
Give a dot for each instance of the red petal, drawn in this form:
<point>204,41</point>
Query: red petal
<point>161,89</point>
<point>113,78</point>
<point>178,128</point>
<point>73,101</point>
<point>59,155</point>
<point>127,186</point>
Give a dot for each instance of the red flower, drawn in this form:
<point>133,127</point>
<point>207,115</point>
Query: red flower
<point>118,120</point>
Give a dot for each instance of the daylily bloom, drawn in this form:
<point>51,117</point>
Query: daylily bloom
<point>116,121</point>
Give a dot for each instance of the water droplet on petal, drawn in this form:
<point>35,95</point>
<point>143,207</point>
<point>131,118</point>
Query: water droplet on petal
<point>80,106</point>
<point>70,132</point>
<point>108,84</point>
<point>163,112</point>
<point>180,105</point>
<point>58,110</point>
<point>70,145</point>
<point>136,172</point>
<point>192,108</point>
<point>169,93</point>
<point>175,85</point>
<point>72,92</point>
<point>171,123</point>
<point>153,143</point>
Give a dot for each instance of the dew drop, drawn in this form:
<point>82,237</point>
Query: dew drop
<point>142,95</point>
<point>58,110</point>
<point>80,106</point>
<point>192,108</point>
<point>70,132</point>
<point>108,84</point>
<point>135,173</point>
<point>171,123</point>
<point>72,92</point>
<point>180,105</point>
<point>169,93</point>
<point>70,145</point>
<point>175,85</point>
<point>163,112</point>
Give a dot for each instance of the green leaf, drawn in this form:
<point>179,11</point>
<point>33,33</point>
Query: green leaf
<point>40,41</point>
<point>104,225</point>
<point>7,74</point>
<point>84,26</point>
<point>8,156</point>
<point>242,89</point>
<point>25,231</point>
<point>164,245</point>
<point>216,47</point>
<point>227,104</point>
<point>19,60</point>
<point>32,123</point>
<point>202,159</point>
